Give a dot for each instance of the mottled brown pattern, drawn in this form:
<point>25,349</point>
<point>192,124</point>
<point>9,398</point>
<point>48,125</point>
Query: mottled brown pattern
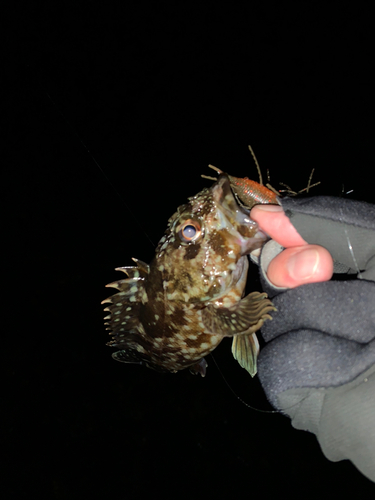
<point>246,232</point>
<point>156,318</point>
<point>178,317</point>
<point>192,251</point>
<point>218,242</point>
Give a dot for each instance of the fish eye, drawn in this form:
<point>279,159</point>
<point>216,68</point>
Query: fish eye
<point>190,231</point>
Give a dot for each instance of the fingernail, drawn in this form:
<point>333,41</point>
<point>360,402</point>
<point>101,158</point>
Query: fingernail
<point>269,208</point>
<point>303,265</point>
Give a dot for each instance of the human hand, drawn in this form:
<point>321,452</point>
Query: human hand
<point>300,263</point>
<point>318,363</point>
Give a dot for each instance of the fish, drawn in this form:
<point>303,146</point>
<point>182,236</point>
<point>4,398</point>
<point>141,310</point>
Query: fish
<point>172,313</point>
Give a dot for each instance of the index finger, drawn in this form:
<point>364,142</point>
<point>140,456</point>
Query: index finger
<point>273,221</point>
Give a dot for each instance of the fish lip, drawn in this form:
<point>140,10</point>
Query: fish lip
<point>255,243</point>
<point>238,215</point>
<point>224,183</point>
<point>223,195</point>
<point>241,270</point>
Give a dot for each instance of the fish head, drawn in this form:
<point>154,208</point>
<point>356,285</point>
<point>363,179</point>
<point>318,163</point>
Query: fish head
<point>203,252</point>
<point>170,314</point>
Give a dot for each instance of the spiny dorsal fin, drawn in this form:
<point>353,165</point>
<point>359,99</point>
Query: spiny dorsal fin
<point>124,306</point>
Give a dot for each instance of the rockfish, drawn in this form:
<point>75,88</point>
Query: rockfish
<point>170,314</point>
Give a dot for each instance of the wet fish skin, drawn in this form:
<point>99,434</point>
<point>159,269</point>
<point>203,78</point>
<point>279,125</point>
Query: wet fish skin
<point>170,314</point>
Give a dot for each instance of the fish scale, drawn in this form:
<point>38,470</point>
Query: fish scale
<point>170,314</point>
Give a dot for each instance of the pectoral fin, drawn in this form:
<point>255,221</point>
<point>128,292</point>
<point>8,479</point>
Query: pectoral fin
<point>245,349</point>
<point>244,317</point>
<point>241,321</point>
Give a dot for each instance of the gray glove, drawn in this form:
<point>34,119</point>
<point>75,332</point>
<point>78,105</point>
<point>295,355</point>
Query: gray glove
<point>318,364</point>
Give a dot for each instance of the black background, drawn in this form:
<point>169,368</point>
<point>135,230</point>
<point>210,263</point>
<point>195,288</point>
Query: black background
<point>155,92</point>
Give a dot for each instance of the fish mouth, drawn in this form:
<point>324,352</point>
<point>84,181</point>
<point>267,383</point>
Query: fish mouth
<point>250,237</point>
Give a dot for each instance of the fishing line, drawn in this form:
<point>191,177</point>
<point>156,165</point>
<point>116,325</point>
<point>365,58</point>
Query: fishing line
<point>236,395</point>
<point>79,138</point>
<point>350,246</point>
<point>244,402</point>
<point>76,134</point>
<point>110,183</point>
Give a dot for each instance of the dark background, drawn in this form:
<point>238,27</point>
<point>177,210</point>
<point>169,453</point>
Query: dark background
<point>156,92</point>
